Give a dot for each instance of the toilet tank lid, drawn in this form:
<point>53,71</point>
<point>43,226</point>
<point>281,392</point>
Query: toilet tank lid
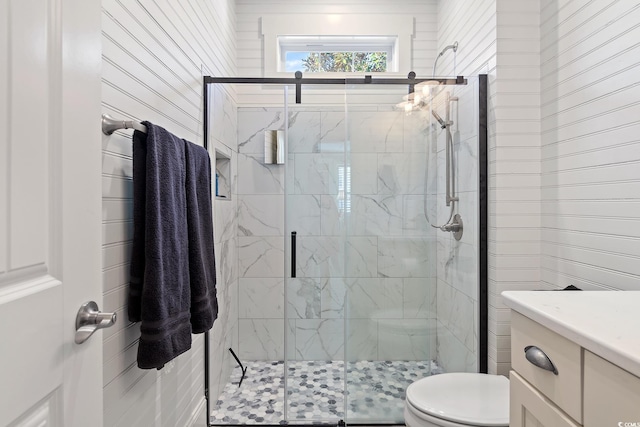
<point>466,398</point>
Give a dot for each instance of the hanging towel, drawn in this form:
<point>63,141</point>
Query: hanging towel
<point>159,291</point>
<point>202,270</point>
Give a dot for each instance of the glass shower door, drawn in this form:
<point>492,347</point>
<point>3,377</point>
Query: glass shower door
<point>410,310</point>
<point>316,205</point>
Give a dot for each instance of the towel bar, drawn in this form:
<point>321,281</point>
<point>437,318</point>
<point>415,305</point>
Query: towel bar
<point>110,125</point>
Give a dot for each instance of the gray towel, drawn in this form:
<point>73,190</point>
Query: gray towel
<point>202,268</point>
<point>159,292</point>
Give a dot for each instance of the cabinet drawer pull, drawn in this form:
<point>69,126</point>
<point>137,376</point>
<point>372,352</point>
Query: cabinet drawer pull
<point>538,358</point>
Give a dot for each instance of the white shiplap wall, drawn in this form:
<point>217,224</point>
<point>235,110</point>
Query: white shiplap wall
<point>154,55</point>
<point>500,38</point>
<point>590,144</point>
<point>514,169</point>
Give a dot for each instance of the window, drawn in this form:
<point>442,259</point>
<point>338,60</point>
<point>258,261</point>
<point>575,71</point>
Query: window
<point>331,54</point>
<point>344,189</point>
<point>340,43</point>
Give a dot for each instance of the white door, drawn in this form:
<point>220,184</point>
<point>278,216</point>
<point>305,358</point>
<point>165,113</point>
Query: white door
<point>50,58</point>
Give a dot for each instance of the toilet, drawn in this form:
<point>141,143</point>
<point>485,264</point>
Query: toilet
<point>458,400</point>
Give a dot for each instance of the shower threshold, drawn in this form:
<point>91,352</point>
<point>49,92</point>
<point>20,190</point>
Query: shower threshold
<point>375,392</point>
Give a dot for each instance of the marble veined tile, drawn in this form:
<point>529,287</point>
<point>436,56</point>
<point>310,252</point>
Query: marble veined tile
<point>401,173</point>
<point>403,257</point>
<point>261,256</point>
<point>453,354</point>
<point>261,339</point>
<point>374,298</point>
<point>362,257</point>
<point>375,131</point>
<point>457,264</point>
<point>225,219</point>
<point>319,256</point>
<point>303,298</point>
<point>362,339</point>
<point>415,222</point>
<point>333,214</point>
<point>251,127</point>
<point>304,131</point>
<point>304,213</point>
<point>261,298</point>
<point>319,173</point>
<point>254,177</point>
<point>320,339</point>
<point>404,339</point>
<point>333,132</point>
<point>364,173</point>
<point>226,262</point>
<point>419,298</point>
<point>376,215</point>
<point>261,215</point>
<point>333,295</point>
<point>456,313</point>
<point>417,132</point>
<point>466,164</point>
<point>223,117</point>
<point>467,207</point>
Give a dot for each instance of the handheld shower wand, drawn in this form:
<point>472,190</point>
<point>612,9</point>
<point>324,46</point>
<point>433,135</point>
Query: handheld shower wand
<point>443,124</point>
<point>453,46</point>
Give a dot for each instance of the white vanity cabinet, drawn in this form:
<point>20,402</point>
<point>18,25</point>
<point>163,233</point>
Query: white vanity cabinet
<point>583,362</point>
<point>537,393</point>
<point>611,394</point>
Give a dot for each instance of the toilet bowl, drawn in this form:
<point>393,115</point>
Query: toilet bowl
<point>458,400</point>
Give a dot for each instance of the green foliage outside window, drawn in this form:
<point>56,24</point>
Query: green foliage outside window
<point>345,62</point>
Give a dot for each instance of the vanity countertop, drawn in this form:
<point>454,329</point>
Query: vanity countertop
<point>606,323</point>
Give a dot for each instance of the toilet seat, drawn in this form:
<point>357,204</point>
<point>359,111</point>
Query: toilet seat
<point>461,398</point>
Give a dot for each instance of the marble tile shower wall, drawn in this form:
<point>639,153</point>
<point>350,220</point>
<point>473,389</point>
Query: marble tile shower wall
<point>370,247</point>
<point>457,261</point>
<point>225,330</point>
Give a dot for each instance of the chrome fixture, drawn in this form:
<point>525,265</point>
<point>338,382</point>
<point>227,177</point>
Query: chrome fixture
<point>451,179</point>
<point>453,46</point>
<point>454,226</point>
<point>421,100</point>
<point>274,148</point>
<point>110,125</point>
<point>443,124</point>
<point>90,319</point>
<point>538,358</point>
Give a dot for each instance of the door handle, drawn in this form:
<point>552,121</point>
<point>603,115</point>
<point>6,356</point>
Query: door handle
<point>293,253</point>
<point>90,319</point>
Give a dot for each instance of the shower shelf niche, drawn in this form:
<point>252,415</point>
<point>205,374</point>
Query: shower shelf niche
<point>222,179</point>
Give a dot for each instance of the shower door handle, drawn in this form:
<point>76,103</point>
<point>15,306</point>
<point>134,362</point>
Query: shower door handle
<point>293,253</point>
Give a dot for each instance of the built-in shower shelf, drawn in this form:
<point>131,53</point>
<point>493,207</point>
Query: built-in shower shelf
<point>222,183</point>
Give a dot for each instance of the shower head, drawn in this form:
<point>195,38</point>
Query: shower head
<point>453,46</point>
<point>443,124</point>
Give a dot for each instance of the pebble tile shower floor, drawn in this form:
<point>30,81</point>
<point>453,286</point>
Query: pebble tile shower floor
<point>375,391</point>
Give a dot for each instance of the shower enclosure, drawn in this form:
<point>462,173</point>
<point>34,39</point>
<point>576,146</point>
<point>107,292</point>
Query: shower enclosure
<point>350,284</point>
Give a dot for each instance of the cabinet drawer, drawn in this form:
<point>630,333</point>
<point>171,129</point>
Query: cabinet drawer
<point>529,408</point>
<point>611,394</point>
<point>565,388</point>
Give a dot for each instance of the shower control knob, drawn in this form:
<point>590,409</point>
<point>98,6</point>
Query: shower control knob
<point>455,226</point>
<point>450,227</point>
